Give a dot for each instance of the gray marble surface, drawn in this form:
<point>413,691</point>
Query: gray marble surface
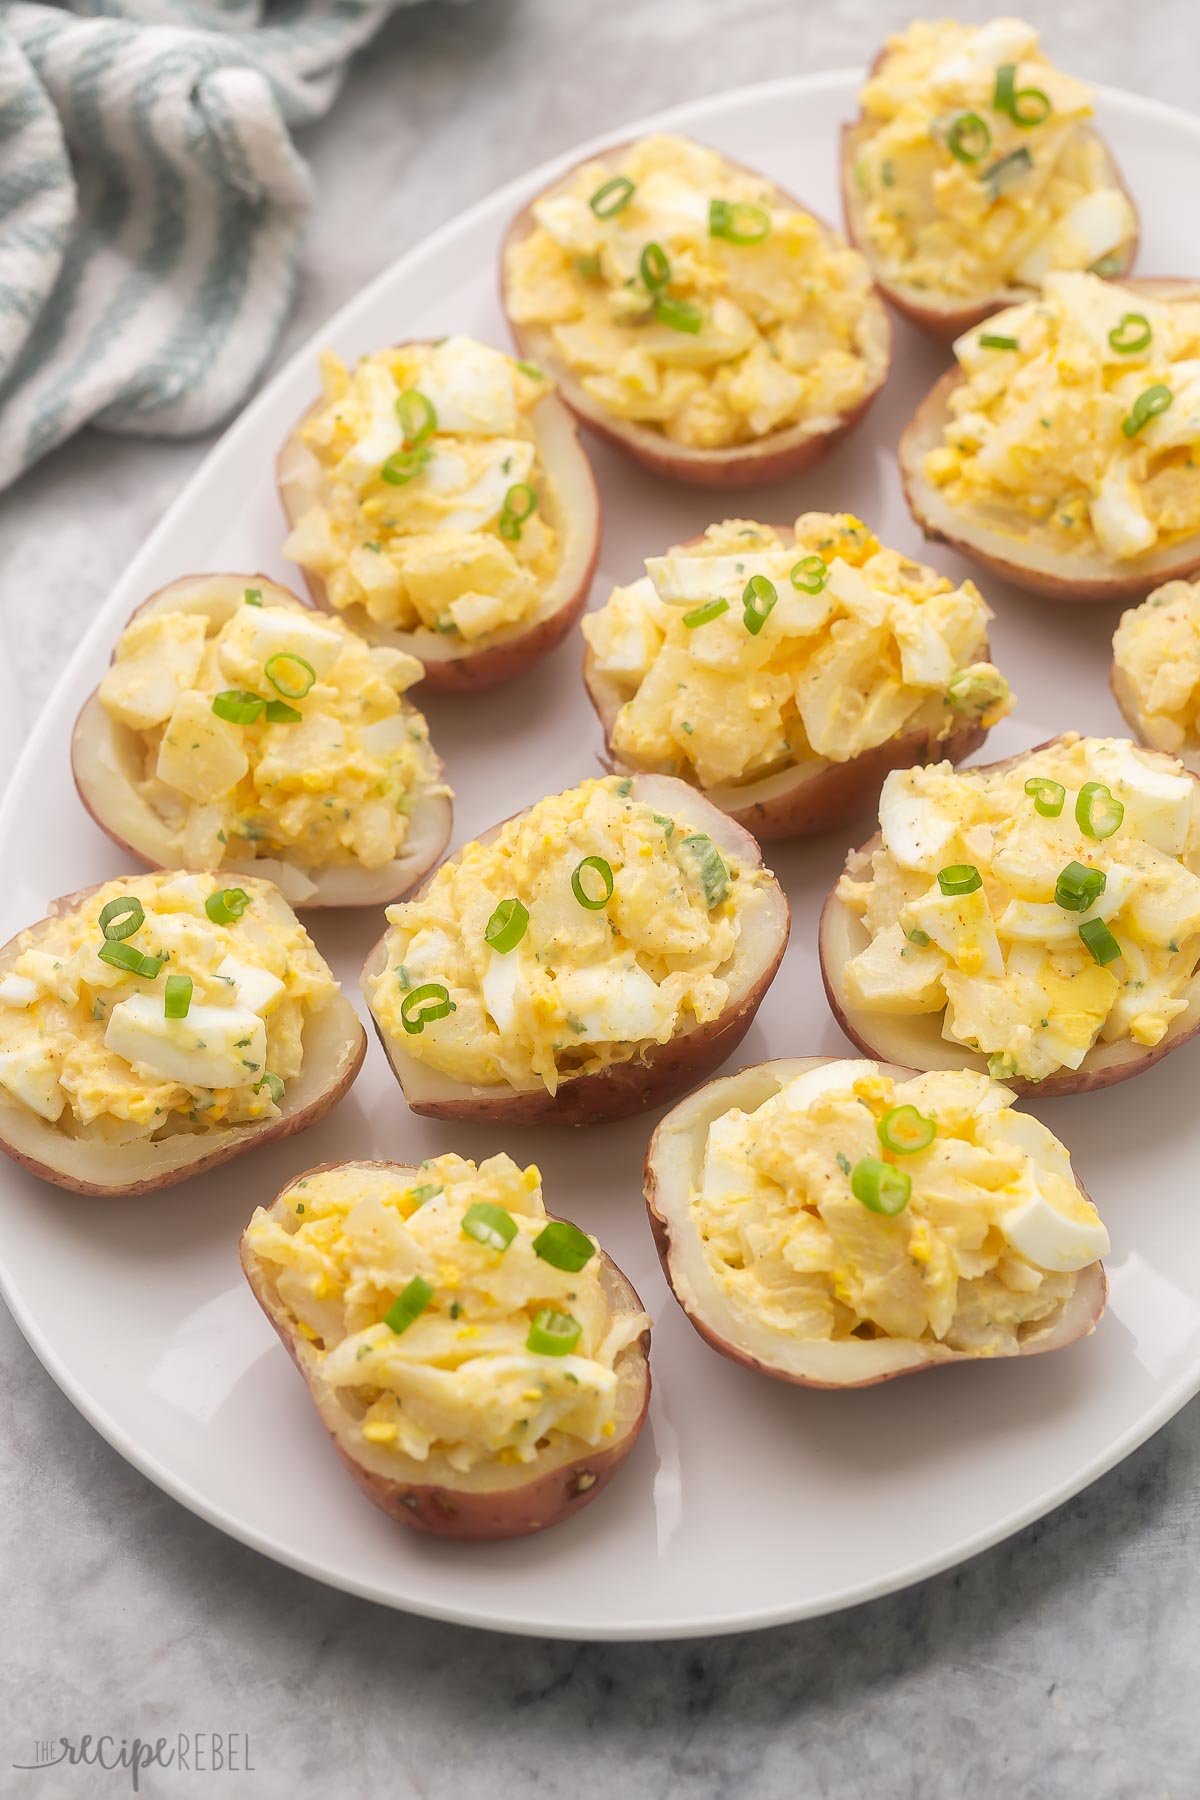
<point>1062,1663</point>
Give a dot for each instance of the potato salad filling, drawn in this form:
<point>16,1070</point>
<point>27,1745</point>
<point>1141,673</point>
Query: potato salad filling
<point>854,1206</point>
<point>452,1317</point>
<point>1157,654</point>
<point>589,928</point>
<point>435,511</point>
<point>739,655</point>
<point>1044,906</point>
<point>978,169</point>
<point>160,1004</point>
<point>1078,423</point>
<point>277,733</point>
<point>686,296</point>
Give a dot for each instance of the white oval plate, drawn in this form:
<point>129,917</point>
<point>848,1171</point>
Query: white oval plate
<point>746,1502</point>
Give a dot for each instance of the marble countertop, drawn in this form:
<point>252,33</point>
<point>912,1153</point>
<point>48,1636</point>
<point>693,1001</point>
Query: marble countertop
<point>1061,1662</point>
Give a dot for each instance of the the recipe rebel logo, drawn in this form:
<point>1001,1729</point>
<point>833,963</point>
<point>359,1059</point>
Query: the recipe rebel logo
<point>200,1753</point>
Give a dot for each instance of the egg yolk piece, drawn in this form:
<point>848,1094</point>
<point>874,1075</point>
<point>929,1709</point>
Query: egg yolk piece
<point>987,1244</point>
<point>275,732</point>
<point>421,1299</point>
<point>1156,653</point>
<point>590,981</point>
<point>1036,933</point>
<point>715,327</point>
<point>858,645</point>
<point>87,1043</point>
<point>965,191</point>
<point>437,513</point>
<point>1076,425</point>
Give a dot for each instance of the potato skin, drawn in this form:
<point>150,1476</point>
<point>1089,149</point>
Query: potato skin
<point>776,457</point>
<point>1126,1059</point>
<point>233,1140</point>
<point>465,1512</point>
<point>489,665</point>
<point>661,1231</point>
<point>619,1091</point>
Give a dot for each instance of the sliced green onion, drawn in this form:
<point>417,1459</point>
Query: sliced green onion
<point>810,574</point>
<point>253,596</point>
<point>1008,169</point>
<point>680,315</point>
<point>905,1130</point>
<point>425,1190</point>
<point>1078,887</point>
<point>507,926</point>
<point>1047,796</point>
<point>1024,106</point>
<point>655,269</point>
<point>279,668</point>
<point>564,1246</point>
<point>968,137</point>
<point>588,267</point>
<point>737,221</point>
<point>400,468</point>
<point>121,917</point>
<point>918,937</point>
<point>273,1085</point>
<point>489,1225</point>
<point>226,905</point>
<point>409,1305</point>
<point>421,1005</point>
<point>280,713</point>
<point>1002,1066</point>
<point>1097,812</point>
<point>611,197</point>
<point>177,997</point>
<point>553,1333</point>
<point>604,871</point>
<point>1107,266</point>
<point>417,415</point>
<point>532,370</point>
<point>710,864</point>
<point>1131,334</point>
<point>704,615</point>
<point>993,340</point>
<point>519,503</point>
<point>758,600</point>
<point>125,956</point>
<point>880,1187</point>
<point>237,707</point>
<point>959,878</point>
<point>1147,406</point>
<point>1100,941</point>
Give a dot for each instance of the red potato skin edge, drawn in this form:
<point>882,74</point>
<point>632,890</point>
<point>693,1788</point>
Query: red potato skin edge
<point>777,457</point>
<point>662,1243</point>
<point>1070,1081</point>
<point>275,1133</point>
<point>456,1513</point>
<point>490,666</point>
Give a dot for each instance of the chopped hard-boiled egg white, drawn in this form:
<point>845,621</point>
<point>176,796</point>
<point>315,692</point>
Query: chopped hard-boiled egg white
<point>1076,425</point>
<point>271,733</point>
<point>1156,662</point>
<point>428,1313</point>
<point>435,512</point>
<point>978,168</point>
<point>986,1243</point>
<point>585,981</point>
<point>99,1044</point>
<point>1044,906</point>
<point>861,645</point>
<point>701,306</point>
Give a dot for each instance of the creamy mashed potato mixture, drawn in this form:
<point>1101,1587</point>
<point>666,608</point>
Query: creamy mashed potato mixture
<point>1156,648</point>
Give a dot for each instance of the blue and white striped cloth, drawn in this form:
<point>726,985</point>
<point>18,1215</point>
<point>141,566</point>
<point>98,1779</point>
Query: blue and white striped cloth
<point>152,204</point>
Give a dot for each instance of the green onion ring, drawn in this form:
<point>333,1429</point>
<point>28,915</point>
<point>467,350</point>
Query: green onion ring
<point>880,1187</point>
<point>401,468</point>
<point>275,670</point>
<point>959,878</point>
<point>519,503</point>
<point>121,917</point>
<point>655,269</point>
<point>507,926</point>
<point>1147,406</point>
<point>564,1246</point>
<point>1017,162</point>
<point>553,1333</point>
<point>905,1130</point>
<point>253,596</point>
<point>418,417</point>
<point>226,905</point>
<point>704,615</point>
<point>1100,941</point>
<point>612,196</point>
<point>280,713</point>
<point>810,574</point>
<point>1016,102</point>
<point>968,137</point>
<point>680,315</point>
<point>737,221</point>
<point>421,1005</point>
<point>604,871</point>
<point>1097,813</point>
<point>1119,337</point>
<point>993,340</point>
<point>409,1305</point>
<point>177,997</point>
<point>125,956</point>
<point>1047,796</point>
<point>1079,887</point>
<point>237,707</point>
<point>489,1225</point>
<point>759,597</point>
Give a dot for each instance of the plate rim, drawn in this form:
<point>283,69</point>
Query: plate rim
<point>708,108</point>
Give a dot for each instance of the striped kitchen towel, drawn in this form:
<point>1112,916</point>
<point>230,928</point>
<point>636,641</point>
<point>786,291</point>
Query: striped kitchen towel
<point>152,204</point>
